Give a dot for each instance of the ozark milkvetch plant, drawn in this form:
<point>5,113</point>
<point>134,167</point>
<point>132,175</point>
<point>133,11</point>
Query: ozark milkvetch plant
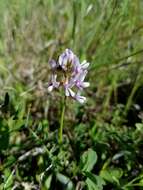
<point>69,74</point>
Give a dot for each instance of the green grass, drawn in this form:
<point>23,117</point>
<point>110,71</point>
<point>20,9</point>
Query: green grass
<point>102,140</point>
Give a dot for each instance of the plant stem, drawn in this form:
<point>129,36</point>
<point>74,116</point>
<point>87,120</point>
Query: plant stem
<point>62,121</point>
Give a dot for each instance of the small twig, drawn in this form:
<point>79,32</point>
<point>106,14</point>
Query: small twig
<point>34,152</point>
<point>43,173</point>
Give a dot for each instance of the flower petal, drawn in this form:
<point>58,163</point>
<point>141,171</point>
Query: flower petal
<point>81,99</point>
<point>67,92</point>
<point>82,75</point>
<point>85,84</point>
<point>84,64</point>
<point>54,82</point>
<point>50,88</point>
<point>53,64</point>
<point>72,93</point>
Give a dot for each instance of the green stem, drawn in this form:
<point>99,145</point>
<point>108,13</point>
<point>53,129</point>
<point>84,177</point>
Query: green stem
<point>62,121</point>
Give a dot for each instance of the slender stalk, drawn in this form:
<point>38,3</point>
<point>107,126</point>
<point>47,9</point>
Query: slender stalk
<point>74,20</point>
<point>62,121</point>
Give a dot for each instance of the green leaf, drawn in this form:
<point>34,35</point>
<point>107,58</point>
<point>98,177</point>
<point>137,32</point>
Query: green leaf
<point>94,182</point>
<point>48,182</point>
<point>88,160</point>
<point>67,183</point>
<point>91,185</point>
<point>141,183</point>
<point>139,126</point>
<point>8,181</point>
<point>112,175</point>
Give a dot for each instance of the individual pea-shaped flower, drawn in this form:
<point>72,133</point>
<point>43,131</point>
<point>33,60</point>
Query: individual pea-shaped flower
<point>54,83</point>
<point>53,64</point>
<point>79,98</point>
<point>68,60</point>
<point>79,80</point>
<point>81,67</point>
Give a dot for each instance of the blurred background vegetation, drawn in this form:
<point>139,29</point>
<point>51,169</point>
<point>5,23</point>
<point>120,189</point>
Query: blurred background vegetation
<point>103,139</point>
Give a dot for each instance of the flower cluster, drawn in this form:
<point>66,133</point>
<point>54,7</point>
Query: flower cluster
<point>69,73</point>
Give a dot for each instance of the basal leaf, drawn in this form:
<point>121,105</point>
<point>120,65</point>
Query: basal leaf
<point>88,160</point>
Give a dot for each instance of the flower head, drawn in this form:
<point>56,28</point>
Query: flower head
<point>69,74</point>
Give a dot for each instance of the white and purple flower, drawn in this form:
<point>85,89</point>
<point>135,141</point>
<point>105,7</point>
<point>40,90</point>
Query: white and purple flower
<point>69,73</point>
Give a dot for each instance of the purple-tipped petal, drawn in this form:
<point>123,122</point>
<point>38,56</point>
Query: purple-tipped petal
<point>84,64</point>
<point>67,57</point>
<point>69,92</point>
<point>63,60</point>
<point>83,75</point>
<point>72,93</point>
<point>79,80</point>
<point>53,64</point>
<point>80,99</point>
<point>54,82</point>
